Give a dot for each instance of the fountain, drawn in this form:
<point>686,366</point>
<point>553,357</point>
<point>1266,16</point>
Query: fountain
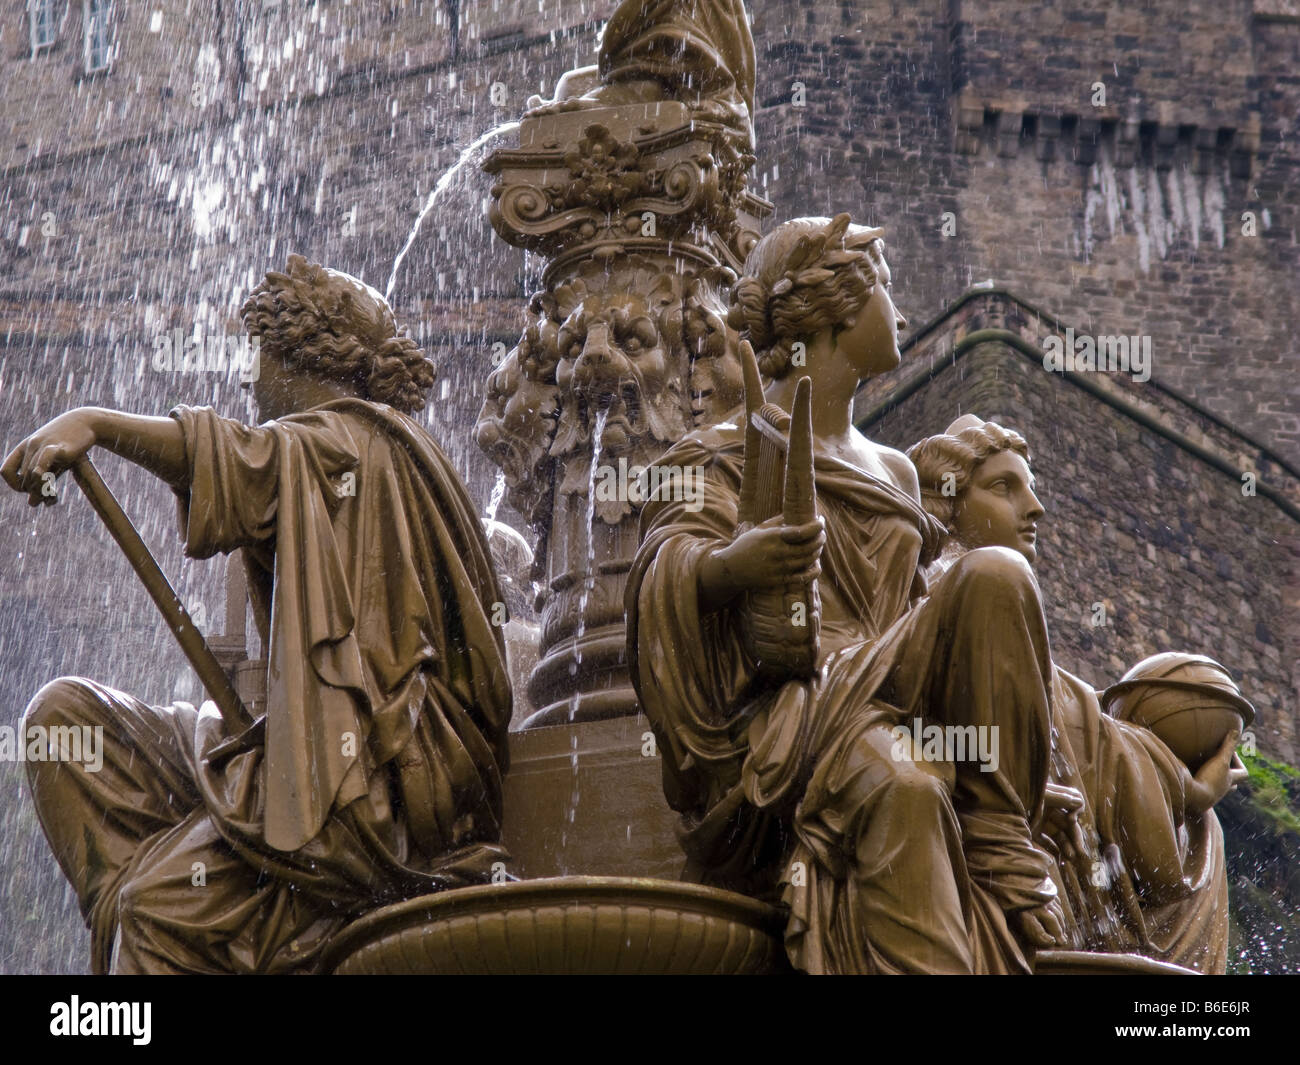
<point>639,210</point>
<point>630,187</point>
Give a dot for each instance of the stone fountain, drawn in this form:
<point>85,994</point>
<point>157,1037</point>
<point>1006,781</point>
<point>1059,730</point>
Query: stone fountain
<point>562,853</point>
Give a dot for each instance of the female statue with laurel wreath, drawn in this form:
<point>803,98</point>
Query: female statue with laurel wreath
<point>797,789</point>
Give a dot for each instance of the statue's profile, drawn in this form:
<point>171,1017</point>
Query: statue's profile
<point>797,790</point>
<point>1139,852</point>
<point>375,773</point>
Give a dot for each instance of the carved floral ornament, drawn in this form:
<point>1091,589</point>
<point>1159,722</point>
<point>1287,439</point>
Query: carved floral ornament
<point>603,171</point>
<point>637,193</point>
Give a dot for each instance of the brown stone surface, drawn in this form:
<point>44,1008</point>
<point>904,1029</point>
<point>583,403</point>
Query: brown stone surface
<point>585,799</point>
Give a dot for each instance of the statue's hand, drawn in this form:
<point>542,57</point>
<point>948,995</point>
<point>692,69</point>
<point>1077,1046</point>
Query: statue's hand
<point>1222,772</point>
<point>1061,818</point>
<point>34,464</point>
<point>1042,926</point>
<point>770,555</point>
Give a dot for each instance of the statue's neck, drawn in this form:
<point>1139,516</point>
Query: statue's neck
<point>834,385</point>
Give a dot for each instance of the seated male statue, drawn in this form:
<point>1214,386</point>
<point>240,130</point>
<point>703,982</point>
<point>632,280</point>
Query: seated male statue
<point>375,772</point>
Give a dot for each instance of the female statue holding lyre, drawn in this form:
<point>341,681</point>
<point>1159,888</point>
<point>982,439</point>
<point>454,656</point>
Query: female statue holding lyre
<point>795,787</point>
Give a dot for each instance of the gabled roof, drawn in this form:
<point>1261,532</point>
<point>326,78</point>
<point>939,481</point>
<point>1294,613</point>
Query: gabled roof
<point>987,314</point>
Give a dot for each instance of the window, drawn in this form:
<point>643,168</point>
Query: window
<point>99,42</point>
<point>40,14</point>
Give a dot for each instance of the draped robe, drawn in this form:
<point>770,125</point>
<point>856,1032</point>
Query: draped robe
<point>701,50</point>
<point>1163,892</point>
<point>375,773</point>
<point>797,790</point>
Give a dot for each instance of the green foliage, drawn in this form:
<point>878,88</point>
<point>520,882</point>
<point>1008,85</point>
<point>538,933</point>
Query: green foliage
<point>1275,791</point>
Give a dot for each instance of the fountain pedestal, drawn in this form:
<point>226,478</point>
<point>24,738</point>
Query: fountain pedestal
<point>641,213</point>
<point>588,798</point>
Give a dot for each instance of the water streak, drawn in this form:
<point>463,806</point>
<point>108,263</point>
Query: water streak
<point>439,187</point>
<point>498,493</point>
<point>588,581</point>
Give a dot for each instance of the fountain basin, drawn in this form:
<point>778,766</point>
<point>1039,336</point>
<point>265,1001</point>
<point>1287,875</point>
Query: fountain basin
<point>1081,963</point>
<point>566,925</point>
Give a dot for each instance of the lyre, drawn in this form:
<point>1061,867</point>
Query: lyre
<point>779,625</point>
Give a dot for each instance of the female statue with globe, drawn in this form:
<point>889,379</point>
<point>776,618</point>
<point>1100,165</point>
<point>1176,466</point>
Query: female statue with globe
<point>1140,862</point>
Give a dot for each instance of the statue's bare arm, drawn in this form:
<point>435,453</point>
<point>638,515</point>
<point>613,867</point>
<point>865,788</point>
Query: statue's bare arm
<point>157,444</point>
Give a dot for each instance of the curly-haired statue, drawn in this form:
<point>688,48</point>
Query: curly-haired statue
<point>326,323</point>
<point>374,773</point>
<point>891,858</point>
<point>1139,851</point>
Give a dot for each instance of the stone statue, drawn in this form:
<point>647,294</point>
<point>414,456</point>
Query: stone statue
<point>519,416</point>
<point>374,773</point>
<point>889,860</point>
<point>716,377</point>
<point>1139,851</point>
<point>698,51</point>
<point>630,184</point>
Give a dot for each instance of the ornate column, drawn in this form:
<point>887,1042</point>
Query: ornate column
<point>641,212</point>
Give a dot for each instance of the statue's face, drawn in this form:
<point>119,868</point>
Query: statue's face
<point>717,385</point>
<point>872,342</point>
<point>530,410</point>
<point>518,419</point>
<point>998,507</point>
<point>613,354</point>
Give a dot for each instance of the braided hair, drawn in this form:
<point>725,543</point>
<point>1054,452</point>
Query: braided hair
<point>799,280</point>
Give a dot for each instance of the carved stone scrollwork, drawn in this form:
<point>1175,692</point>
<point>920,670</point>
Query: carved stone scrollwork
<point>642,215</point>
<point>636,177</point>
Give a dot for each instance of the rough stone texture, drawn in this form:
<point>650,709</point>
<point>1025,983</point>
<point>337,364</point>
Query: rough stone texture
<point>1120,219</point>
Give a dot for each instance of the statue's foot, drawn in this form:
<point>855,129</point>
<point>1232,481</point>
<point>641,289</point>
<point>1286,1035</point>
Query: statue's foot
<point>580,90</point>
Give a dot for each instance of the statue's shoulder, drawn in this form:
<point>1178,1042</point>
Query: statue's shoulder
<point>722,440</point>
<point>901,468</point>
<point>367,415</point>
<point>358,424</point>
<point>1074,689</point>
